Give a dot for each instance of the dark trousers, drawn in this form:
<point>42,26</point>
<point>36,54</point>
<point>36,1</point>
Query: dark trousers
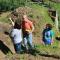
<point>17,47</point>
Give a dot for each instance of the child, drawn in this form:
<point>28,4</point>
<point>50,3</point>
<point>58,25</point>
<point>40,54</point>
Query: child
<point>48,35</point>
<point>16,35</point>
<point>28,28</point>
<point>13,18</point>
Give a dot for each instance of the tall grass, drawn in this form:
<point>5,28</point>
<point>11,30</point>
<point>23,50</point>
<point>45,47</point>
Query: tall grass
<point>11,4</point>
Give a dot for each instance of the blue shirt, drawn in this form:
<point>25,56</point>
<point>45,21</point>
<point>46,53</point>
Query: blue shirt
<point>49,35</point>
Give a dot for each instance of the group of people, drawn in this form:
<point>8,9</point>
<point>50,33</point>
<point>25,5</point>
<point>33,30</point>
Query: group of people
<point>22,32</point>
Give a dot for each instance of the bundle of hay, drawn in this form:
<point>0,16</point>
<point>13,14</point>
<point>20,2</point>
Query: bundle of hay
<point>23,10</point>
<point>20,12</point>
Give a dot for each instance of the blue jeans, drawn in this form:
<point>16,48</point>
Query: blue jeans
<point>28,40</point>
<point>17,47</point>
<point>48,41</point>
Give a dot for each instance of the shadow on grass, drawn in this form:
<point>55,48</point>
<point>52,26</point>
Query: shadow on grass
<point>53,56</point>
<point>57,38</point>
<point>36,52</point>
<point>6,33</point>
<point>4,48</point>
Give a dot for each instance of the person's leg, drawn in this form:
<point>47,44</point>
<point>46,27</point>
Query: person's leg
<point>48,42</point>
<point>17,47</point>
<point>25,43</point>
<point>30,41</point>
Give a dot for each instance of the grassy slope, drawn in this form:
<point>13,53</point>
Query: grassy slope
<point>42,13</point>
<point>44,18</point>
<point>39,25</point>
<point>3,17</point>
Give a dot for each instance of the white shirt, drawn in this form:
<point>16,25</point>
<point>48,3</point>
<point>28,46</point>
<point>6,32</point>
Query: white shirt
<point>16,34</point>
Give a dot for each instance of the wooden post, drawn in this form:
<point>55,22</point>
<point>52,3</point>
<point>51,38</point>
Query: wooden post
<point>54,15</point>
<point>56,21</point>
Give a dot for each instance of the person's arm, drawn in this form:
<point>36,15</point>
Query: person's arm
<point>52,37</point>
<point>32,28</point>
<point>13,33</point>
<point>12,21</point>
<point>52,41</point>
<point>31,25</point>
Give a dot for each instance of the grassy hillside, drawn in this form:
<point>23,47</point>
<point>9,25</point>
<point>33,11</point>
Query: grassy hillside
<point>40,17</point>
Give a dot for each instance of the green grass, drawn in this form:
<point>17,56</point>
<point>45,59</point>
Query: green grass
<point>4,18</point>
<point>41,17</point>
<point>55,48</point>
<point>49,49</point>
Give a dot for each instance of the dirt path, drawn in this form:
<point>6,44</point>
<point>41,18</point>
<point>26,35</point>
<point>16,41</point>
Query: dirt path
<point>5,41</point>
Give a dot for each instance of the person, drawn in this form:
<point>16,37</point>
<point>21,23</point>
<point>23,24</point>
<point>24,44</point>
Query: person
<point>16,35</point>
<point>48,35</point>
<point>13,18</point>
<point>27,28</point>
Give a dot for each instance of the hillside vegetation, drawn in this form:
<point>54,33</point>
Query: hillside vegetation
<point>39,15</point>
